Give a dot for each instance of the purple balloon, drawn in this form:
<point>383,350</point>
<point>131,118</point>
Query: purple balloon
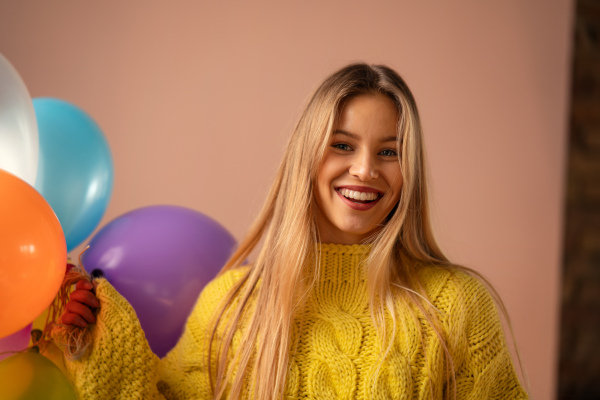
<point>18,341</point>
<point>159,258</point>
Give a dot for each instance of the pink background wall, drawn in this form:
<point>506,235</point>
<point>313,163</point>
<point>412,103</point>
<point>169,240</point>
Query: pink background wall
<point>197,98</point>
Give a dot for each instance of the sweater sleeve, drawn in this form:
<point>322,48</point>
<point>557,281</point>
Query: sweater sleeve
<point>120,364</point>
<point>487,371</point>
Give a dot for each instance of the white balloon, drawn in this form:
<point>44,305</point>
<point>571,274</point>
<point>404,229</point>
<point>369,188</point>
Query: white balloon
<point>19,143</point>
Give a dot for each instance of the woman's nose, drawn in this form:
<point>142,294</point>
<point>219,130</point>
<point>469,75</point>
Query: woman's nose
<point>364,167</point>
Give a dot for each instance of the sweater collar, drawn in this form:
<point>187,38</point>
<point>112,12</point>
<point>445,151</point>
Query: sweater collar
<point>345,249</point>
<point>342,263</point>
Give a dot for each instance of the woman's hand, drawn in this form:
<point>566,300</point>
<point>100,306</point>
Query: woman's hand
<point>78,310</point>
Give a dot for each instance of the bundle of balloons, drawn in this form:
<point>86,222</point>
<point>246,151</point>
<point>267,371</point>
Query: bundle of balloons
<point>56,180</point>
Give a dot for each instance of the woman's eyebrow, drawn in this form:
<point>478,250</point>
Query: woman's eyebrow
<point>355,137</point>
<point>345,133</point>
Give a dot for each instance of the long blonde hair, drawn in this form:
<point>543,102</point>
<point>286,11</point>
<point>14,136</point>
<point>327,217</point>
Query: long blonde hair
<point>278,280</point>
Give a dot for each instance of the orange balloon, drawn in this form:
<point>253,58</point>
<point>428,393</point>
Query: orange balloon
<point>33,254</point>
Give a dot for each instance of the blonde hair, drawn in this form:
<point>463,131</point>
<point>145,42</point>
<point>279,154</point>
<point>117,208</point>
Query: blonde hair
<point>278,281</point>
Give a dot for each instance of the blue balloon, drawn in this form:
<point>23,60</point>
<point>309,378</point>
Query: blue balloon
<point>75,167</point>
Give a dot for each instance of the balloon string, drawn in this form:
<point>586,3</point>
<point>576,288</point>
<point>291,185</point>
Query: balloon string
<point>30,348</point>
<point>73,340</point>
<point>81,254</point>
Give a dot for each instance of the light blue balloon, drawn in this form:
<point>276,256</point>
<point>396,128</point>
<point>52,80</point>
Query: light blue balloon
<point>75,167</point>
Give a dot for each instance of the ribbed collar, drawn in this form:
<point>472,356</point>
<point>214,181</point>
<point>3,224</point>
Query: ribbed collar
<point>342,263</point>
<point>345,249</point>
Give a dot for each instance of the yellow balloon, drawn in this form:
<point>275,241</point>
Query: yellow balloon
<point>30,375</point>
<point>54,354</point>
<point>16,376</point>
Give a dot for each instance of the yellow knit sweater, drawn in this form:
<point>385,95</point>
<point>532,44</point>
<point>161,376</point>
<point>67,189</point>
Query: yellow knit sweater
<point>338,349</point>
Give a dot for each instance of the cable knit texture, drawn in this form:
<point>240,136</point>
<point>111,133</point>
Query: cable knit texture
<point>338,349</point>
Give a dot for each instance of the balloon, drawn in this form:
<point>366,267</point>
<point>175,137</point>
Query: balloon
<point>30,375</point>
<point>18,128</point>
<point>53,353</point>
<point>18,341</point>
<point>33,254</point>
<point>75,171</point>
<point>159,258</point>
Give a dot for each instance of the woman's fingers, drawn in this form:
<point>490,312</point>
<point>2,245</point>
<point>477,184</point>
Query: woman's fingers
<point>83,285</point>
<point>78,310</point>
<point>81,310</point>
<point>85,297</point>
<point>73,319</point>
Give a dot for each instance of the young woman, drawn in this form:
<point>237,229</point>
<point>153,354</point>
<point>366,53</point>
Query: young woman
<point>349,297</point>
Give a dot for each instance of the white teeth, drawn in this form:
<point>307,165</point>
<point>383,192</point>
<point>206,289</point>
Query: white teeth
<point>352,194</point>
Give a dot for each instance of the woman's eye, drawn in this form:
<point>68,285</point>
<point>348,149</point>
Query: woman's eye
<point>341,146</point>
<point>388,153</point>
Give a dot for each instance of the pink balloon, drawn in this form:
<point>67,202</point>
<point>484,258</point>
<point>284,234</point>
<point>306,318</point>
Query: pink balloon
<point>16,342</point>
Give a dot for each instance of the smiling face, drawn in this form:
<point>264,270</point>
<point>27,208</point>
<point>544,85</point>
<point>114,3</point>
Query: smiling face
<point>359,180</point>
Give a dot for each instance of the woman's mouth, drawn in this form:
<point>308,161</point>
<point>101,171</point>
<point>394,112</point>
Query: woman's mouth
<point>359,200</point>
<point>357,196</point>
